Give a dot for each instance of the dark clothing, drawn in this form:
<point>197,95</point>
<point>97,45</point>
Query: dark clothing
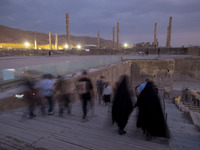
<point>122,105</point>
<point>100,85</point>
<point>84,88</point>
<point>150,117</point>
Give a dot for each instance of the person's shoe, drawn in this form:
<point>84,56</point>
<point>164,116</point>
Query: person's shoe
<point>84,119</point>
<point>32,116</point>
<point>51,113</point>
<point>121,132</point>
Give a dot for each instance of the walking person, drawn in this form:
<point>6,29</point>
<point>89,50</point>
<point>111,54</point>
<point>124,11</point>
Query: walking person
<point>122,105</point>
<point>107,93</point>
<point>100,86</point>
<point>46,90</point>
<point>62,96</point>
<point>86,93</point>
<point>150,117</point>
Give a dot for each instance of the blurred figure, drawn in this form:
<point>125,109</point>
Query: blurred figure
<point>62,96</point>
<point>100,85</point>
<point>86,93</point>
<point>185,95</point>
<point>46,90</point>
<point>107,93</point>
<point>195,97</point>
<point>30,95</point>
<point>150,117</point>
<point>122,105</point>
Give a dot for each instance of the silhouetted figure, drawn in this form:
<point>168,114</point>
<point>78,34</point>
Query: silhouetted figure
<point>150,117</point>
<point>63,96</point>
<point>122,105</point>
<point>86,93</point>
<point>31,96</point>
<point>100,85</point>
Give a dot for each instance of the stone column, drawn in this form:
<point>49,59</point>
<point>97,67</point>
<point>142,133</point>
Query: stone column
<point>169,28</point>
<point>35,40</point>
<point>113,37</point>
<point>56,41</point>
<point>98,46</point>
<point>155,43</point>
<point>50,46</point>
<point>67,30</point>
<point>117,35</point>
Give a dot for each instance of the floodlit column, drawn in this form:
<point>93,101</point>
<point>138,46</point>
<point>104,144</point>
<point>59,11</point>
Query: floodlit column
<point>56,41</point>
<point>98,41</point>
<point>35,40</point>
<point>169,28</point>
<point>50,47</point>
<point>117,35</point>
<point>67,30</point>
<point>155,36</point>
<point>113,37</point>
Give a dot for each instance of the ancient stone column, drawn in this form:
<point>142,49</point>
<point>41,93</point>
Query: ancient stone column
<point>50,46</point>
<point>169,28</point>
<point>155,43</point>
<point>67,30</point>
<point>56,41</point>
<point>35,40</point>
<point>117,35</point>
<point>98,46</point>
<point>113,37</point>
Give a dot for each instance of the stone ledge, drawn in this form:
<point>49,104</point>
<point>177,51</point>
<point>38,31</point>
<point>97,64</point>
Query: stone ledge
<point>193,116</point>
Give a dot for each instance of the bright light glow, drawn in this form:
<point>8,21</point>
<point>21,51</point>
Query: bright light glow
<point>66,46</point>
<point>26,44</point>
<point>79,46</point>
<point>125,45</point>
<point>39,48</point>
<point>11,70</point>
<point>19,96</point>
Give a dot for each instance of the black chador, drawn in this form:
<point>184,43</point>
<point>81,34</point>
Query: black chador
<point>150,117</point>
<point>122,105</point>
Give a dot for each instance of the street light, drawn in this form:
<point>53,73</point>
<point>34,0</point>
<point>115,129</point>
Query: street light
<point>27,44</point>
<point>79,46</point>
<point>125,45</point>
<point>66,46</point>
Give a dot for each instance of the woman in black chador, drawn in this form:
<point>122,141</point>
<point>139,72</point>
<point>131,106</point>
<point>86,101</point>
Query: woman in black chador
<point>150,117</point>
<point>122,105</point>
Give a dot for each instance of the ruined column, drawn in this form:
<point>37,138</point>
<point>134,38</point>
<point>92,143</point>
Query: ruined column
<point>169,28</point>
<point>50,46</point>
<point>117,35</point>
<point>113,37</point>
<point>155,43</point>
<point>56,41</point>
<point>35,40</point>
<point>98,46</point>
<point>67,30</point>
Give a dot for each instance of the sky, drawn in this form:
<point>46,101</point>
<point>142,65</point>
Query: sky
<point>86,17</point>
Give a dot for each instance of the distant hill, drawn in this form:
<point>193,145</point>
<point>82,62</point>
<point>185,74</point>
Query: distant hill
<point>13,35</point>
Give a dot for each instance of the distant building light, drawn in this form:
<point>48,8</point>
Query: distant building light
<point>26,44</point>
<point>125,45</point>
<point>39,48</point>
<point>79,46</point>
<point>66,46</point>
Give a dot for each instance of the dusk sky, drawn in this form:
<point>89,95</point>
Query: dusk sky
<point>136,18</point>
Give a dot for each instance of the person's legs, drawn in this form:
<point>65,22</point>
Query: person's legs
<point>50,100</point>
<point>84,108</point>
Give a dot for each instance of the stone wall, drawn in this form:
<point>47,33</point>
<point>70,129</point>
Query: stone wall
<point>159,70</point>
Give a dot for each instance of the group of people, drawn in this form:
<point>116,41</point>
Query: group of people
<point>150,116</point>
<point>104,91</point>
